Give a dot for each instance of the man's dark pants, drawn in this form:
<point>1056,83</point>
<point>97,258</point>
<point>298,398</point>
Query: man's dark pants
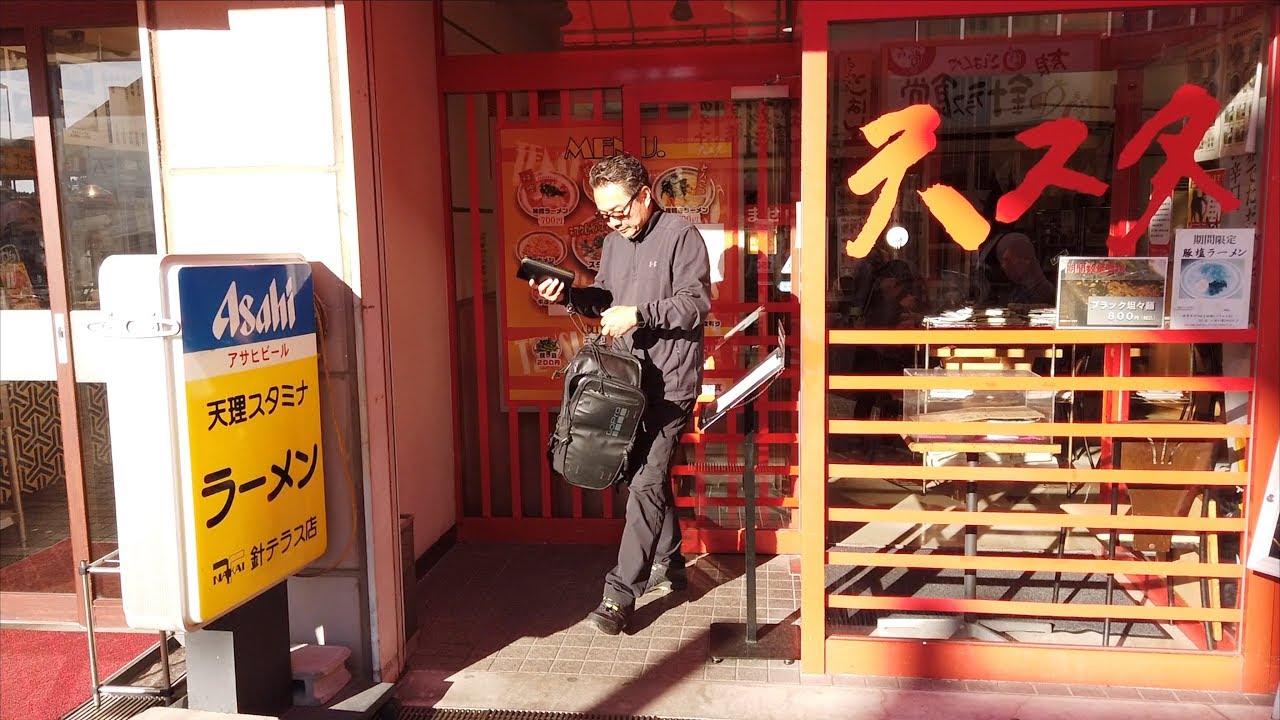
<point>651,533</point>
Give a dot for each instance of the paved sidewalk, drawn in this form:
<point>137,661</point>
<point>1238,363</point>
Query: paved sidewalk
<point>764,701</point>
<point>502,628</point>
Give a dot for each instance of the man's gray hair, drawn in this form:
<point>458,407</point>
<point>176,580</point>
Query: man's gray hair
<point>622,170</point>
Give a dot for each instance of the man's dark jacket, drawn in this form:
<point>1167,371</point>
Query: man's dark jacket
<point>665,273</point>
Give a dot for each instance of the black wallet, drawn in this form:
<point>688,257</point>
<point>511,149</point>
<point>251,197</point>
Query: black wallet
<point>538,271</point>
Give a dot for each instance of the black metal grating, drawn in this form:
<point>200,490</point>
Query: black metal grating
<point>115,707</point>
<point>421,713</point>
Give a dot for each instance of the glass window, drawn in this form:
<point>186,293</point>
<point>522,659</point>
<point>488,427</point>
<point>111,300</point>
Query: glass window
<point>100,143</point>
<point>981,93</point>
<point>970,237</point>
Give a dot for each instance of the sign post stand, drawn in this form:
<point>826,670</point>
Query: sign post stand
<point>778,641</point>
<point>239,663</point>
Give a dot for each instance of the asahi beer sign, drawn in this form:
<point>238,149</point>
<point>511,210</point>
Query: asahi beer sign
<point>253,422</point>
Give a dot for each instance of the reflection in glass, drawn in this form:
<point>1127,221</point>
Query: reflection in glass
<point>100,144</point>
<point>35,545</point>
<point>985,91</point>
<point>23,273</point>
<point>104,176</point>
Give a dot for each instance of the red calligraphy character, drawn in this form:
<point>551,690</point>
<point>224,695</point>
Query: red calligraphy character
<point>1063,137</point>
<point>1200,110</point>
<point>912,130</point>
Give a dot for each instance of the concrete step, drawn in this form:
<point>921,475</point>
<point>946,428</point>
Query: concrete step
<point>309,662</point>
<point>181,714</point>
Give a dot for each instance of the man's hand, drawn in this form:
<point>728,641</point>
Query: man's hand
<point>550,289</point>
<point>617,321</point>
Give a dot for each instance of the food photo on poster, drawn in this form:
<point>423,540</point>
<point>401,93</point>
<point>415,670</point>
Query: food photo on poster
<point>686,190</point>
<point>546,195</point>
<point>1107,292</point>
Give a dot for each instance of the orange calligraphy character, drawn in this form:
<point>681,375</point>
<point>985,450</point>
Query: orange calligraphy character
<point>1063,137</point>
<point>1200,110</point>
<point>912,131</point>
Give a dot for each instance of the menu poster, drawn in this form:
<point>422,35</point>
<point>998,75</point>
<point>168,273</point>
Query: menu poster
<point>1160,231</point>
<point>544,214</point>
<point>1204,210</point>
<point>1107,292</point>
<point>1212,278</point>
<point>547,212</point>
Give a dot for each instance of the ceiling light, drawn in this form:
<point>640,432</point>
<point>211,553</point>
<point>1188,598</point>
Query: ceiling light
<point>788,29</point>
<point>681,12</point>
<point>897,237</point>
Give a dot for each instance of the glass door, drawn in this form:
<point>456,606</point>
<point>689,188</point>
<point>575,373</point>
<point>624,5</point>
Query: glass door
<point>720,156</point>
<point>75,183</point>
<point>36,554</point>
<point>103,175</point>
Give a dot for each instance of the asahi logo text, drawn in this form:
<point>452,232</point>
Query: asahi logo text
<point>245,315</point>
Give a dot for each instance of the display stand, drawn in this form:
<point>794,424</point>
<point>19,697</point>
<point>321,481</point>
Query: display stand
<point>778,641</point>
<point>969,625</point>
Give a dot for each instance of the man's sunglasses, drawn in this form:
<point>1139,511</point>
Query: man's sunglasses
<point>622,213</point>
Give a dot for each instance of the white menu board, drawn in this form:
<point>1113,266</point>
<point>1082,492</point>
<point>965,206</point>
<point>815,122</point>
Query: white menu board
<point>1212,278</point>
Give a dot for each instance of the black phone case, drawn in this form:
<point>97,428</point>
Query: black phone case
<point>537,270</point>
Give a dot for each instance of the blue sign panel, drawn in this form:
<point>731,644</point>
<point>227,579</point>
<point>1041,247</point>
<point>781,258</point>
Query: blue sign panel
<point>224,306</point>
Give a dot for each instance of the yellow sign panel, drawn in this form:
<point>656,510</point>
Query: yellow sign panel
<point>253,421</point>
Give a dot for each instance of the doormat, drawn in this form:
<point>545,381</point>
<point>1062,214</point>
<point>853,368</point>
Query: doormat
<point>46,672</point>
<point>114,707</point>
<point>445,714</point>
<point>53,570</point>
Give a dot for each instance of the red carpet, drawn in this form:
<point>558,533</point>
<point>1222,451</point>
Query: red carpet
<point>45,674</point>
<point>53,571</point>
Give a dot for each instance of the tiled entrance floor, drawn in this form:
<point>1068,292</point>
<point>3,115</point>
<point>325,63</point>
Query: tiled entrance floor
<point>501,627</point>
<point>519,608</point>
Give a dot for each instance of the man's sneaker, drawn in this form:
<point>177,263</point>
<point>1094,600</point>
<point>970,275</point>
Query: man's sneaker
<point>610,618</point>
<point>664,580</point>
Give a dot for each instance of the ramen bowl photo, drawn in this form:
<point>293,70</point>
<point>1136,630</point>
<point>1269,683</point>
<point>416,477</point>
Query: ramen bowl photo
<point>685,189</point>
<point>1211,280</point>
<point>542,245</point>
<point>546,194</point>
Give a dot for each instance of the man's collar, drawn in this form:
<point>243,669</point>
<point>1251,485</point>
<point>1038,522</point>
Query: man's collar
<point>650,225</point>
